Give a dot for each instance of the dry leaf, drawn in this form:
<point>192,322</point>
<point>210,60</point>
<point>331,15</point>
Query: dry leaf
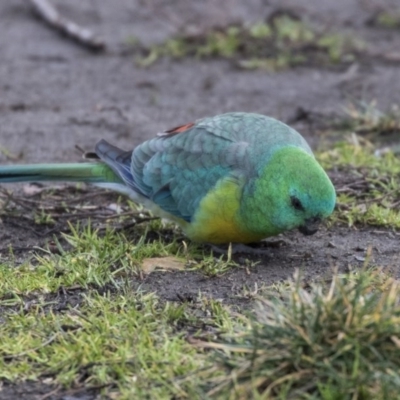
<point>163,263</point>
<point>33,188</point>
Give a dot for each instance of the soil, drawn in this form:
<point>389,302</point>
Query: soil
<point>55,95</point>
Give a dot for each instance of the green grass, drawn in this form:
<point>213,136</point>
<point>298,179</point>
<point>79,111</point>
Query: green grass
<point>366,166</point>
<point>334,340</point>
<point>324,341</point>
<point>284,42</point>
<point>337,339</point>
<point>114,335</point>
<point>126,341</point>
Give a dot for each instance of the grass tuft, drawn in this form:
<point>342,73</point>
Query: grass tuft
<point>337,341</point>
<point>124,342</point>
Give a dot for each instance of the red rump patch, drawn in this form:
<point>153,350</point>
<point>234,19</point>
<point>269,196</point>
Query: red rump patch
<point>179,129</point>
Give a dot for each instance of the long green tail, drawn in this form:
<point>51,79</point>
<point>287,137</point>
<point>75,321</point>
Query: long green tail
<point>83,172</point>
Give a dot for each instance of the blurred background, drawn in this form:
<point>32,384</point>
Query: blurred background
<point>167,63</point>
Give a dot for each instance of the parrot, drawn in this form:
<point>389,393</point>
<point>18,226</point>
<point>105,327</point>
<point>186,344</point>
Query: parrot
<point>232,178</point>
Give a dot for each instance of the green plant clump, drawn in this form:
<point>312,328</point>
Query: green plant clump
<point>337,342</point>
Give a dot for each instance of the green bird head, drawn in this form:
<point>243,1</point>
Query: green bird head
<point>291,191</point>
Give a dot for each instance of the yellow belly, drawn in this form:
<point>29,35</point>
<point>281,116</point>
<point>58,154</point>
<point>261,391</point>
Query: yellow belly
<point>216,220</point>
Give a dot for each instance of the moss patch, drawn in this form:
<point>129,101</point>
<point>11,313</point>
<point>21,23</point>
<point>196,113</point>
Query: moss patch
<point>281,43</point>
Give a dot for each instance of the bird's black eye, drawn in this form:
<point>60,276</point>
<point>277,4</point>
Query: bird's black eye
<point>296,203</point>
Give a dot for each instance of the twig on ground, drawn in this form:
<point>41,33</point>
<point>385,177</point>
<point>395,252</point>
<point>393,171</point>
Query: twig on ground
<point>81,35</point>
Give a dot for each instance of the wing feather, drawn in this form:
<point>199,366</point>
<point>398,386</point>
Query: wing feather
<point>177,169</point>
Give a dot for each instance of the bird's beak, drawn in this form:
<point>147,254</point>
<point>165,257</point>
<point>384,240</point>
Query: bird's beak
<point>311,226</point>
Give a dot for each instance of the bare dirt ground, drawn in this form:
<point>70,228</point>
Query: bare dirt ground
<point>55,95</point>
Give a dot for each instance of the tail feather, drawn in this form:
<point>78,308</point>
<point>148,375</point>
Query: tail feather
<point>78,172</point>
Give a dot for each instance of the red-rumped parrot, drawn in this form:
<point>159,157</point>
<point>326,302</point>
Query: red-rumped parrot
<point>236,177</point>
